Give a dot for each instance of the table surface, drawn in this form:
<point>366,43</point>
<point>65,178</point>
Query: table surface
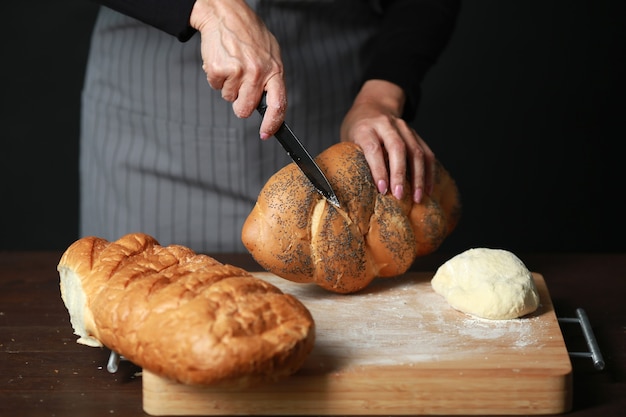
<point>46,373</point>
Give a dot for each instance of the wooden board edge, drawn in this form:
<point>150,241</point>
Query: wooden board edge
<point>553,391</point>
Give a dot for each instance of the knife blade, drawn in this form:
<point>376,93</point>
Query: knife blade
<point>302,158</point>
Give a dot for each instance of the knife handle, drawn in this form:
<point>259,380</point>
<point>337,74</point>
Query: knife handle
<point>282,130</point>
<point>279,135</point>
<point>262,106</point>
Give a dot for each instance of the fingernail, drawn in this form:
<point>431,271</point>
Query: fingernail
<point>382,187</point>
<point>417,196</point>
<point>264,135</point>
<point>398,192</point>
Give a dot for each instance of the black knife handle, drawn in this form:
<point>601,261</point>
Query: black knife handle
<point>282,130</point>
<point>262,106</point>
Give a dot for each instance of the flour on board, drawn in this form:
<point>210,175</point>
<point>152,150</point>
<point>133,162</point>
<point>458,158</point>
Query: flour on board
<point>399,321</point>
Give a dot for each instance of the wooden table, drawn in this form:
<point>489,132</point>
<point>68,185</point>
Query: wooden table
<point>46,373</point>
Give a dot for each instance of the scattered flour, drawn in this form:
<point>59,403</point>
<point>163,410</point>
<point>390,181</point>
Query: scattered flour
<point>403,322</point>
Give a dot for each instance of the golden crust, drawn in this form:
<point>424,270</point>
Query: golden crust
<point>294,233</point>
<point>186,316</point>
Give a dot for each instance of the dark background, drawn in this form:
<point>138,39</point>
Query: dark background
<point>525,109</point>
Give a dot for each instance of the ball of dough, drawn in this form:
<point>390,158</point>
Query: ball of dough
<point>489,283</point>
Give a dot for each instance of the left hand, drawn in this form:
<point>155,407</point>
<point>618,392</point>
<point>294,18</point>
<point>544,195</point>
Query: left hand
<point>394,151</point>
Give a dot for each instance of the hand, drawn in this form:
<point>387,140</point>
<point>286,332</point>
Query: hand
<point>242,59</point>
<point>392,148</point>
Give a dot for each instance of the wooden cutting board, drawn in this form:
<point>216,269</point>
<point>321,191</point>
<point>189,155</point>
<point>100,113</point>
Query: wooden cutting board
<point>399,348</point>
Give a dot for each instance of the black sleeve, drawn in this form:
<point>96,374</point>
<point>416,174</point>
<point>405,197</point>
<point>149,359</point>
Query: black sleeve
<point>412,36</point>
<point>169,16</point>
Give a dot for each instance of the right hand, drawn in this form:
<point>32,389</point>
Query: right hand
<point>241,58</point>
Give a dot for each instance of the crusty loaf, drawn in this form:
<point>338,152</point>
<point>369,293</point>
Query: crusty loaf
<point>296,234</point>
<point>182,315</point>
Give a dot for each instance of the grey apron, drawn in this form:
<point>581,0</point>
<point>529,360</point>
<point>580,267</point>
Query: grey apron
<point>162,153</point>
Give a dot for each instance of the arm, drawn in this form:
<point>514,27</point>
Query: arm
<point>413,34</point>
<point>240,56</point>
<point>169,16</point>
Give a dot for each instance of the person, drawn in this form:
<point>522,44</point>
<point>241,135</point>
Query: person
<point>162,152</point>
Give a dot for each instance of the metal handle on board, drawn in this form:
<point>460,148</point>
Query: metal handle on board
<point>594,350</point>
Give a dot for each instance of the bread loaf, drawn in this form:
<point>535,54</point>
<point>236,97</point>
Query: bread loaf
<point>182,315</point>
<point>489,283</point>
<point>296,234</point>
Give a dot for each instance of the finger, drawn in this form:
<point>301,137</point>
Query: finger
<point>396,153</point>
<point>428,162</point>
<point>414,158</point>
<point>216,74</point>
<point>247,100</point>
<point>421,160</point>
<point>250,92</point>
<point>216,83</point>
<point>232,85</point>
<point>375,157</point>
<point>276,101</point>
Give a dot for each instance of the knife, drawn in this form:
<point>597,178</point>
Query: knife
<point>301,157</point>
